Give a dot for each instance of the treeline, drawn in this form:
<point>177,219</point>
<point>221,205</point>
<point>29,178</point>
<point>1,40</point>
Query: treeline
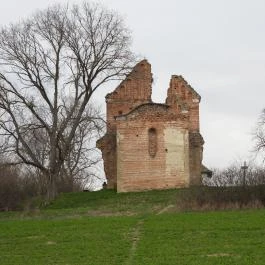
<point>230,188</point>
<point>234,175</point>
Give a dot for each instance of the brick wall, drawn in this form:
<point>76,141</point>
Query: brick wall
<point>184,98</point>
<point>132,92</point>
<point>138,169</point>
<point>107,145</point>
<point>149,145</point>
<point>195,157</point>
<point>135,90</point>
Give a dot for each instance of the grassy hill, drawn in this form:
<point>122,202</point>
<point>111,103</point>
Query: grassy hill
<point>132,228</point>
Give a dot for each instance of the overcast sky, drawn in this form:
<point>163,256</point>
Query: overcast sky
<point>217,45</point>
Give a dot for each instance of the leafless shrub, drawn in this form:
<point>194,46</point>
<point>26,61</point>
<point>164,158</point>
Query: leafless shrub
<point>10,191</point>
<point>220,198</point>
<point>233,175</point>
<point>15,188</point>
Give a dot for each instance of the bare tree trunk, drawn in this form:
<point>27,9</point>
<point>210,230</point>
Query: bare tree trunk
<point>50,66</point>
<point>52,191</point>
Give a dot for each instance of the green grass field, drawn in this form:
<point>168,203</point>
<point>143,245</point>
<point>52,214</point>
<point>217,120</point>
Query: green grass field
<point>134,228</point>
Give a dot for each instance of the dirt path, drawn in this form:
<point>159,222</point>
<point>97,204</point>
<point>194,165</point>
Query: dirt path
<point>165,209</point>
<point>135,240</point>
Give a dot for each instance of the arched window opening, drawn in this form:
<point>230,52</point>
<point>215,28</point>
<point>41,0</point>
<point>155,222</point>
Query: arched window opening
<point>152,137</point>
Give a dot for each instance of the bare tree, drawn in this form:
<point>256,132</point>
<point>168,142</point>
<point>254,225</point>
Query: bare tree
<point>50,66</point>
<point>259,134</point>
<point>233,175</point>
<point>229,176</point>
<point>83,155</point>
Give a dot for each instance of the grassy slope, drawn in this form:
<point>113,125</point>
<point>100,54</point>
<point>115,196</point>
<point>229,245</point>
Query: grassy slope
<point>68,232</point>
<point>75,241</point>
<point>203,238</point>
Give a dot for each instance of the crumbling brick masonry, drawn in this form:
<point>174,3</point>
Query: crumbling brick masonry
<point>149,145</point>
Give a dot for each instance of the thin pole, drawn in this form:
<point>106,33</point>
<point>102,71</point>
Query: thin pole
<point>244,168</point>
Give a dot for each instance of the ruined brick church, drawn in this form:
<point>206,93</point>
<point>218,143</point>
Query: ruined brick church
<point>149,145</point>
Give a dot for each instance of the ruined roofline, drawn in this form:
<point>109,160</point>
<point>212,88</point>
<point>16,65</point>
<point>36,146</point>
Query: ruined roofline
<point>127,77</point>
<point>188,85</point>
<point>137,75</point>
<point>143,105</point>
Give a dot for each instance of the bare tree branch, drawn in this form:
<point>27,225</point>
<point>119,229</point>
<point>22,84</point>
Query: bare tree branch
<point>50,66</point>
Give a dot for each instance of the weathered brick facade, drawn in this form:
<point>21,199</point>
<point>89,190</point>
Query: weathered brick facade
<point>149,145</point>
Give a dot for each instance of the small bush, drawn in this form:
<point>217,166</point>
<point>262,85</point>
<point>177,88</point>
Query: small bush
<point>15,189</point>
<point>10,189</point>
